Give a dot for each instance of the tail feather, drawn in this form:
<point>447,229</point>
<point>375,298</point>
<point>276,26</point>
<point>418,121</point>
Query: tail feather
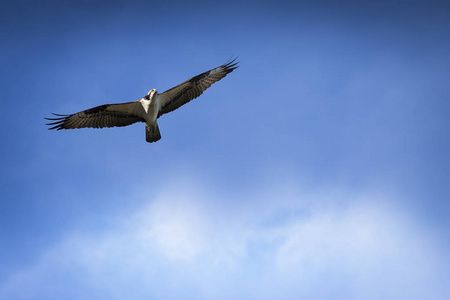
<point>152,133</point>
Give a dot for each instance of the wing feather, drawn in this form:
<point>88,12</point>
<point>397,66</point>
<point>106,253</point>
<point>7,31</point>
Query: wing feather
<point>107,115</point>
<point>193,87</point>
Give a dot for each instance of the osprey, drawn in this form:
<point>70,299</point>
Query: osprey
<point>147,109</point>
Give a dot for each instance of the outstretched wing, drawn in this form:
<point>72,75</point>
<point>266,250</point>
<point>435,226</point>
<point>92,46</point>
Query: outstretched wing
<point>107,115</point>
<point>194,87</point>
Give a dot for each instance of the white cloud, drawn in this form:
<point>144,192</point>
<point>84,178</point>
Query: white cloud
<point>281,244</point>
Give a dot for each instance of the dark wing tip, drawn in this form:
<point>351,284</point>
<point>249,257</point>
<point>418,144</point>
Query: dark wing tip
<point>231,64</point>
<point>59,122</point>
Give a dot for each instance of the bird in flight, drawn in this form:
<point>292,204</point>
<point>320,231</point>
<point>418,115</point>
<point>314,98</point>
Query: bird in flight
<point>147,109</point>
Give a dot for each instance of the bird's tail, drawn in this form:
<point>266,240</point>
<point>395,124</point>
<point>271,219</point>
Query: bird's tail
<point>152,133</point>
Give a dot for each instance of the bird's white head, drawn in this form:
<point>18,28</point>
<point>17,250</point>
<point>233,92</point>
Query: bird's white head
<point>151,94</point>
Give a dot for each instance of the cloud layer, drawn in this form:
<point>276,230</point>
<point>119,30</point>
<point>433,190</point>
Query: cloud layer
<point>277,243</point>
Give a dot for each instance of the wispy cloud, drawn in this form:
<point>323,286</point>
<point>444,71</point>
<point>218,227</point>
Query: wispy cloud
<point>286,244</point>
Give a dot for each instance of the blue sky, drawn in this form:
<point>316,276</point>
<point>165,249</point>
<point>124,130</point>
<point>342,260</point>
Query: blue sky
<point>317,170</point>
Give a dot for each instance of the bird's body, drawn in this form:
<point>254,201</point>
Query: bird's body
<point>147,109</point>
<point>151,105</point>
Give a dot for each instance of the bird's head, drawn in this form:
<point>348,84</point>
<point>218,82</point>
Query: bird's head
<point>151,94</point>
